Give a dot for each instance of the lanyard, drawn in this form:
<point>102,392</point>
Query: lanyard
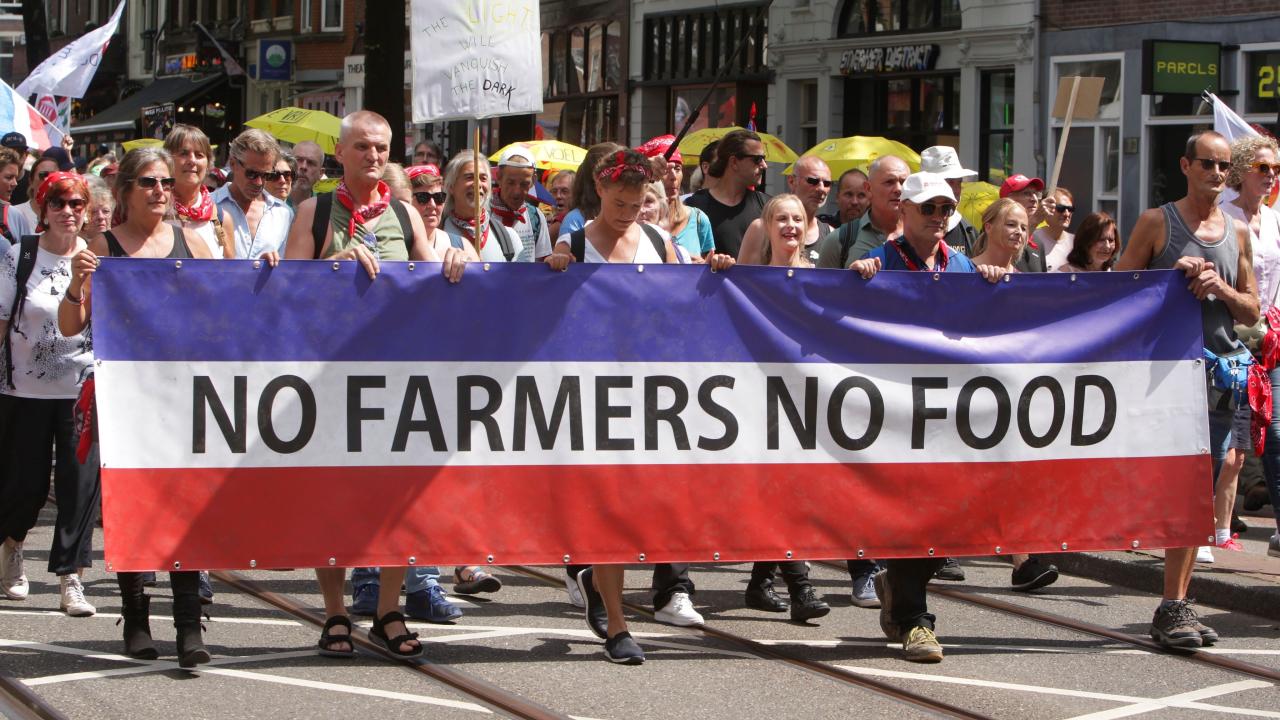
<point>915,263</point>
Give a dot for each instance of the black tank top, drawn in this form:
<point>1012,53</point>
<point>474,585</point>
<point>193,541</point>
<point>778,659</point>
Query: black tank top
<point>178,252</point>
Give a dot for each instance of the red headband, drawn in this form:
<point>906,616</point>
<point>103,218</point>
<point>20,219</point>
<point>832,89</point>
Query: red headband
<point>427,169</point>
<point>658,146</point>
<point>614,172</point>
<point>53,179</point>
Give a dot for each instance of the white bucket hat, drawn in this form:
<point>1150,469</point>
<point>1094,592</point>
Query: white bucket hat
<point>943,160</point>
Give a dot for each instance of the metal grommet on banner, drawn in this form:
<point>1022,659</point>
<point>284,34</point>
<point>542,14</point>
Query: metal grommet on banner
<point>1064,546</point>
<point>413,560</point>
<point>486,267</point>
<point>411,266</point>
<point>930,552</point>
<point>861,553</point>
<point>1073,277</point>
<point>640,268</point>
<point>177,264</point>
<point>1196,362</point>
<point>1136,276</point>
<point>715,556</point>
<point>333,561</point>
<point>1212,539</point>
<point>566,559</point>
<point>336,264</point>
<point>253,563</point>
<point>640,557</point>
<point>790,273</point>
<point>788,554</point>
<point>1135,544</point>
<point>490,559</point>
<point>257,264</point>
<point>1008,278</point>
<point>937,276</point>
<point>997,549</point>
<point>1204,451</point>
<point>177,565</point>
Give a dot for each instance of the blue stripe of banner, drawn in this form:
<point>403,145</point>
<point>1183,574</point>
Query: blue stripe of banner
<point>223,310</point>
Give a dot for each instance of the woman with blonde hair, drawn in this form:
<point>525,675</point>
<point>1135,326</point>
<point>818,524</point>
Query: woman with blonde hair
<point>785,222</point>
<point>193,205</point>
<point>1004,234</point>
<point>689,226</point>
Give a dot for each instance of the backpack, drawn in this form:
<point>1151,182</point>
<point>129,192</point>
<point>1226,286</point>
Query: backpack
<point>578,242</point>
<point>848,235</point>
<point>495,229</point>
<point>324,210</point>
<point>29,248</point>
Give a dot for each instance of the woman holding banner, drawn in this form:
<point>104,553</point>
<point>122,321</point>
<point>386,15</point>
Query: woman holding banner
<point>615,236</point>
<point>41,376</point>
<point>144,196</point>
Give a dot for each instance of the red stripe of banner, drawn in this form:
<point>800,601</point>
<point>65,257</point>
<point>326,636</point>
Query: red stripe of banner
<point>301,517</point>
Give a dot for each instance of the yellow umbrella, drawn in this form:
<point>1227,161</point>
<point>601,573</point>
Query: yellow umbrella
<point>142,143</point>
<point>975,197</point>
<point>548,154</point>
<point>858,151</point>
<point>691,146</point>
<point>296,125</point>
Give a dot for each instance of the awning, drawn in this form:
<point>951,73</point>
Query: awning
<point>126,113</point>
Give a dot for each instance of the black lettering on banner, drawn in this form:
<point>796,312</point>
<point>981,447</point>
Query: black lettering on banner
<point>835,413</point>
<point>920,412</point>
<point>483,415</point>
<point>205,398</point>
<point>806,429</point>
<point>306,426</point>
<point>1059,399</point>
<point>356,413</point>
<point>1083,383</point>
<point>606,412</point>
<point>717,411</point>
<point>529,402</point>
<point>418,390</point>
<point>670,415</point>
<point>1004,409</point>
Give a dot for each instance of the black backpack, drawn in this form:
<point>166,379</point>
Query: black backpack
<point>29,248</point>
<point>578,242</point>
<point>324,210</point>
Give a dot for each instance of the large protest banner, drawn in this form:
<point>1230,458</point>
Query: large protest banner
<point>308,416</point>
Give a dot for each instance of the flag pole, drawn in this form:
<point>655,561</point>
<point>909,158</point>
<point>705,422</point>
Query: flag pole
<point>475,173</point>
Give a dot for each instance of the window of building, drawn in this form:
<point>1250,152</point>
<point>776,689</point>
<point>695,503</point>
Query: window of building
<point>916,110</point>
<point>1091,164</point>
<point>696,46</point>
<point>304,15</point>
<point>808,114</point>
<point>996,136</point>
<point>261,9</point>
<point>870,17</point>
<point>330,15</point>
<point>582,76</point>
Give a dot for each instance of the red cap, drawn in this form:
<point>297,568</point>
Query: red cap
<point>416,170</point>
<point>658,146</point>
<point>113,168</point>
<point>1015,183</point>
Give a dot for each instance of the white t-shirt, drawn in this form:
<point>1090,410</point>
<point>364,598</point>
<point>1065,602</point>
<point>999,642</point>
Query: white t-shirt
<point>646,253</point>
<point>1266,250</point>
<point>22,220</point>
<point>45,364</point>
<point>1055,251</point>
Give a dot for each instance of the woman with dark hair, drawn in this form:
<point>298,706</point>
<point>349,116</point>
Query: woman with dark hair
<point>39,381</point>
<point>620,180</point>
<point>1096,245</point>
<point>584,202</point>
<point>144,197</point>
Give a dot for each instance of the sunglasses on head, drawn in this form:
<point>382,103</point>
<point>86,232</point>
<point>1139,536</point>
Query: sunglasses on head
<point>148,181</point>
<point>1210,164</point>
<point>755,159</point>
<point>929,208</point>
<point>814,181</point>
<point>1265,168</point>
<point>75,203</point>
<point>1061,209</point>
<point>422,198</point>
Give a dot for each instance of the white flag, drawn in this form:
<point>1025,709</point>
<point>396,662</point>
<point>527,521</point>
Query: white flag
<point>1227,123</point>
<point>475,60</point>
<point>69,71</point>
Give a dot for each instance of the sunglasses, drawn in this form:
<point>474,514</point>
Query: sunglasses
<point>1265,168</point>
<point>272,176</point>
<point>281,175</point>
<point>76,204</point>
<point>945,209</point>
<point>818,181</point>
<point>1063,209</point>
<point>422,198</point>
<point>147,182</point>
<point>1208,164</point>
<point>755,159</point>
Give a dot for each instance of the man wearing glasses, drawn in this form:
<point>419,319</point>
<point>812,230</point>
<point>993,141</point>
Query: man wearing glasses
<point>261,220</point>
<point>810,180</point>
<point>1194,235</point>
<point>731,204</point>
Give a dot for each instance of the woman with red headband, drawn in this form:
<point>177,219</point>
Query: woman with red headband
<point>39,381</point>
<point>616,237</point>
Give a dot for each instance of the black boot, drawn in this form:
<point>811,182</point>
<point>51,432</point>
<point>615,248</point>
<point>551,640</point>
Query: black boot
<point>186,619</point>
<point>135,612</point>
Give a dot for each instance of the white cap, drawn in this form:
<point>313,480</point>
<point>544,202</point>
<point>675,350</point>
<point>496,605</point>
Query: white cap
<point>943,160</point>
<point>925,186</point>
<point>516,157</point>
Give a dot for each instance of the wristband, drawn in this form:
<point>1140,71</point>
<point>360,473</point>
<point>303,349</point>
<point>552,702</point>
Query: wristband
<point>72,299</point>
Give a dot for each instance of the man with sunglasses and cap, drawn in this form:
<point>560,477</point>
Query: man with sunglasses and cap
<point>511,206</point>
<point>810,180</point>
<point>261,220</point>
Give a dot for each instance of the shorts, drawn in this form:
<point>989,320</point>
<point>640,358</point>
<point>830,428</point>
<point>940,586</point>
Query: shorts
<point>1241,434</point>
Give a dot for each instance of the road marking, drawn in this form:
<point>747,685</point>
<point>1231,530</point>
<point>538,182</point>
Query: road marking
<point>114,616</point>
<point>348,689</point>
<point>967,646</point>
<point>1186,699</point>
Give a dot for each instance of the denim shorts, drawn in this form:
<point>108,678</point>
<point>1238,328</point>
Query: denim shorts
<point>1241,436</point>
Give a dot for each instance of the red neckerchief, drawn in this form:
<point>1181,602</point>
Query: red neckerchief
<point>507,216</point>
<point>201,211</point>
<point>913,262</point>
<point>465,227</point>
<point>364,213</point>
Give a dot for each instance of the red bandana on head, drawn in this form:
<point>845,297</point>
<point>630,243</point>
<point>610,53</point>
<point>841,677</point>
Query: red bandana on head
<point>364,213</point>
<point>614,172</point>
<point>658,147</point>
<point>201,211</point>
<point>415,170</point>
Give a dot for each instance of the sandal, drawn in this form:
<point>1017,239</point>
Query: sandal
<point>328,639</point>
<point>480,581</point>
<point>392,645</point>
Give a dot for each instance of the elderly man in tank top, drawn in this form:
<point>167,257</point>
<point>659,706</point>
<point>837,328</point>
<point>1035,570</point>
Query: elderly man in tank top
<point>1194,235</point>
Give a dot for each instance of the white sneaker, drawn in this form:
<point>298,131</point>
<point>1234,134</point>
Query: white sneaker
<point>13,580</point>
<point>678,611</point>
<point>73,602</point>
<point>575,595</point>
<point>1204,554</point>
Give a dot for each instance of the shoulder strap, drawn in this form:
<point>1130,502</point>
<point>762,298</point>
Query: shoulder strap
<point>578,244</point>
<point>406,225</point>
<point>456,241</point>
<point>29,248</point>
<point>659,245</point>
<point>847,233</point>
<point>504,240</point>
<point>114,248</point>
<point>4,223</point>
<point>320,221</point>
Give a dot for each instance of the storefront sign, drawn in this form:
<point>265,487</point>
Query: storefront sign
<point>894,58</point>
<point>1262,81</point>
<point>353,70</point>
<point>275,60</point>
<point>158,120</point>
<point>1174,67</point>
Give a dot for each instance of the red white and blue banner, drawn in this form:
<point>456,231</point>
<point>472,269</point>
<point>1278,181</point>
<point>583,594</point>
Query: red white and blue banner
<point>18,115</point>
<point>306,415</point>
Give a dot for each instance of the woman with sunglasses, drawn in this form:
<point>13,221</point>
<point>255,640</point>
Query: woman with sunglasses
<point>281,184</point>
<point>39,383</point>
<point>1053,236</point>
<point>193,205</point>
<point>428,198</point>
<point>144,195</point>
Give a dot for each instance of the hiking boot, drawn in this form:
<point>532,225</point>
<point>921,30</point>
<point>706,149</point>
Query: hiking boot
<point>806,606</point>
<point>950,570</point>
<point>1175,625</point>
<point>921,646</point>
<point>1033,574</point>
<point>72,600</point>
<point>765,598</point>
<point>135,613</point>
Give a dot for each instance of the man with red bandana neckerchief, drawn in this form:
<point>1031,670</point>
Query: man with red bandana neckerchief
<point>511,204</point>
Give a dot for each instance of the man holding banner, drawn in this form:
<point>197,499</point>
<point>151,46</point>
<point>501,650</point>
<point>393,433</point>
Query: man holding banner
<point>1194,235</point>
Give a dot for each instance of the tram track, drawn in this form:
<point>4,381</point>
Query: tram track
<point>776,653</point>
<point>19,702</point>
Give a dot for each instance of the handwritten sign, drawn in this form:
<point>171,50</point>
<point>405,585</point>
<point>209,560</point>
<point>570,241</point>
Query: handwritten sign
<point>484,58</point>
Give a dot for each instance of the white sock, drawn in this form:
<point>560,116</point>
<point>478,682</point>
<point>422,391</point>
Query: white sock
<point>1220,535</point>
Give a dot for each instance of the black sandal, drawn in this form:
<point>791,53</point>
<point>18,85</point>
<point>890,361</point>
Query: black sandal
<point>328,639</point>
<point>392,645</point>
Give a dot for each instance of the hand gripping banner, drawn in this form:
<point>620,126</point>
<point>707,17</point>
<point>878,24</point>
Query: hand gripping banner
<point>306,415</point>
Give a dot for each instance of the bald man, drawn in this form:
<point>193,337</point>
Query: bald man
<point>883,221</point>
<point>310,157</point>
<point>810,180</point>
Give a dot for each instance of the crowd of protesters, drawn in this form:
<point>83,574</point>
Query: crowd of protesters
<point>621,205</point>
